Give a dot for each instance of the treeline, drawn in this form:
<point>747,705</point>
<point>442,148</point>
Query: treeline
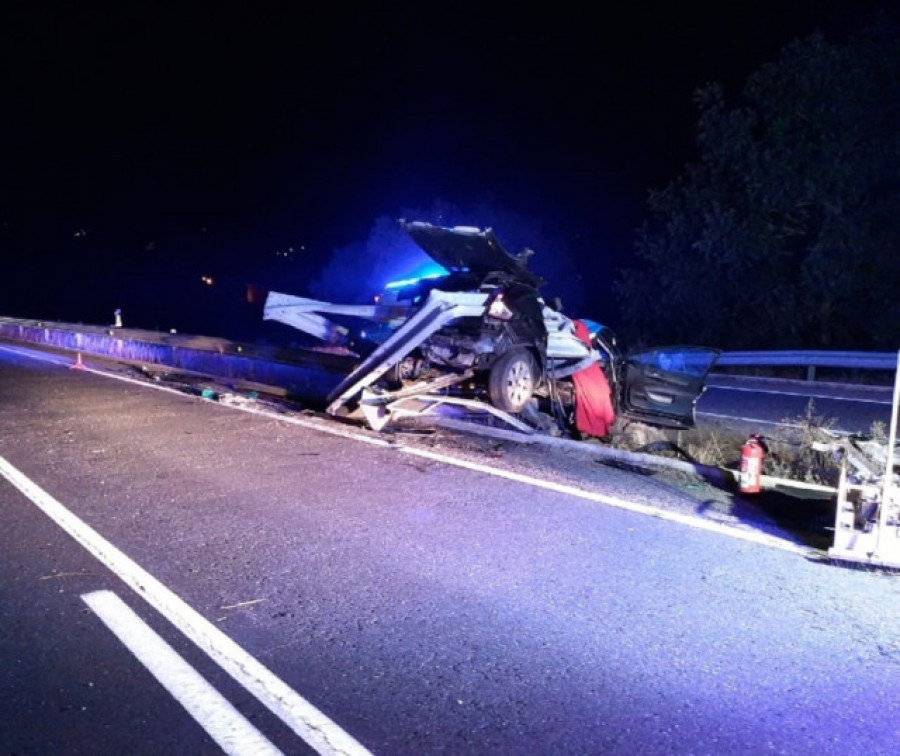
<point>785,233</point>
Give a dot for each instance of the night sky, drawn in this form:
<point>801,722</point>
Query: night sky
<point>146,146</point>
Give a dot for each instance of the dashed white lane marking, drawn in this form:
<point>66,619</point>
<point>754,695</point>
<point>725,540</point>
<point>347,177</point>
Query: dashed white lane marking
<point>322,734</point>
<point>215,714</point>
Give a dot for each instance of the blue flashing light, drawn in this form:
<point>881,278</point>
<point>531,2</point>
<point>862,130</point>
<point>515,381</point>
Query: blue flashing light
<point>410,281</point>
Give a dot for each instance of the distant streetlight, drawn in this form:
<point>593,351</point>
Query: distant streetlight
<point>207,280</point>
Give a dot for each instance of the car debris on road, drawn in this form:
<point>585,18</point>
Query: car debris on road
<point>480,337</point>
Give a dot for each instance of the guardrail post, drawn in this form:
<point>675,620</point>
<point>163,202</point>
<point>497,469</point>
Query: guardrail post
<point>811,373</point>
<point>888,483</point>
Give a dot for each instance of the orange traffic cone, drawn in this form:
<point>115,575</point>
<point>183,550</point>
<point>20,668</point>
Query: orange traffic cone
<point>79,365</point>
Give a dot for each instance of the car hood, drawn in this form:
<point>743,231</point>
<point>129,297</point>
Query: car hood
<point>463,248</point>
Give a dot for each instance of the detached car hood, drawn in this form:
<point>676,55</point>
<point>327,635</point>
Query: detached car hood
<point>463,249</point>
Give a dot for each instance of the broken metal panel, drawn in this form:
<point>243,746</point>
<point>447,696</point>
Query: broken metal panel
<point>440,308</point>
<point>278,302</point>
<point>562,343</point>
<point>469,249</point>
<point>379,413</point>
<point>867,518</point>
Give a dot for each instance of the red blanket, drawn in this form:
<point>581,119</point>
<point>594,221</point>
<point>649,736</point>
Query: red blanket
<point>594,412</point>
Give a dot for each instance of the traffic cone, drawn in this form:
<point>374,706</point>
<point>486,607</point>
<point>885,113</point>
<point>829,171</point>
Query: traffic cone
<point>79,365</point>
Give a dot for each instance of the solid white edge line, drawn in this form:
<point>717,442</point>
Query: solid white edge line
<point>762,539</point>
<point>169,390</point>
<point>225,724</point>
<point>316,729</point>
<point>252,410</point>
<point>757,421</point>
<point>698,523</point>
<point>55,359</point>
<point>805,394</point>
<point>695,522</point>
<point>754,420</point>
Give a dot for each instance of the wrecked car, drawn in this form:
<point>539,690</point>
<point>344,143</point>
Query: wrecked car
<point>481,336</point>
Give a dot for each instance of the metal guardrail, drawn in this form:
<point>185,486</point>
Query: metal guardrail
<point>811,360</point>
<point>304,374</point>
<point>109,340</point>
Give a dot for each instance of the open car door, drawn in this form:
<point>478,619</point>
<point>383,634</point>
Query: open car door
<point>662,385</point>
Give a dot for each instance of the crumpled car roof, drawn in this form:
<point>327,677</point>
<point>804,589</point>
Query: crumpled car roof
<point>463,248</point>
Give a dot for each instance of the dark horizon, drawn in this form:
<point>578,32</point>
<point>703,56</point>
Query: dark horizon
<point>147,147</point>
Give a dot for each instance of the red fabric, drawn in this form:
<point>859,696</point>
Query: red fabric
<point>594,412</point>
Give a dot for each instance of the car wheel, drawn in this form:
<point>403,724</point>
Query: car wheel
<point>512,380</point>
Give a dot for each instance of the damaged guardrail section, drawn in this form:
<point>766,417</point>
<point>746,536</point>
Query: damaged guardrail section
<point>312,374</point>
<point>307,375</point>
<point>811,359</point>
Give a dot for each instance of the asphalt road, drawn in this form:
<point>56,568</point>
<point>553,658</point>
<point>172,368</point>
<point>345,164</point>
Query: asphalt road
<point>412,600</point>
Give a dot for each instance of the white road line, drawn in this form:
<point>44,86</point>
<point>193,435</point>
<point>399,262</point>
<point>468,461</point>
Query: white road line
<point>253,411</point>
<point>57,360</point>
<point>758,421</point>
<point>699,523</point>
<point>694,522</point>
<point>215,714</point>
<point>805,394</point>
<point>322,734</point>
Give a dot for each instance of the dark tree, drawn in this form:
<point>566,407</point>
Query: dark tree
<point>786,232</point>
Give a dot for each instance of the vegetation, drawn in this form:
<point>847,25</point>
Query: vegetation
<point>790,452</point>
<point>784,234</point>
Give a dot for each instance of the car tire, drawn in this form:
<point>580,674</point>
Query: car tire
<point>512,380</point>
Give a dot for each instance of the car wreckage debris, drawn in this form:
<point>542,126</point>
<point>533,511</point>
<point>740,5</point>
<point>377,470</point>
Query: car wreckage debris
<point>481,336</point>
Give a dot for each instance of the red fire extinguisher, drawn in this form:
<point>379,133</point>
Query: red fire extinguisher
<point>752,454</point>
